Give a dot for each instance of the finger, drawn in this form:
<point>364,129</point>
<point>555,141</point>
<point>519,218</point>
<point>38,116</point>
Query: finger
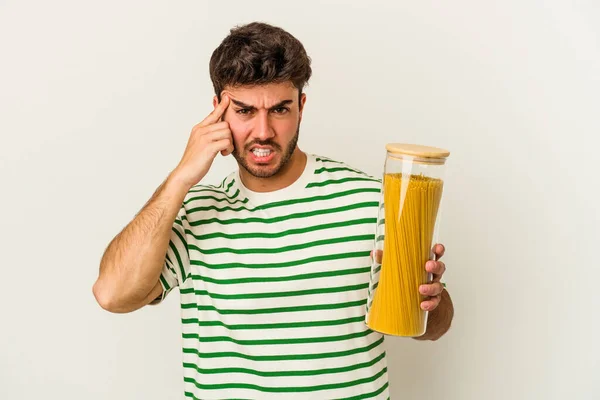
<point>220,145</point>
<point>214,141</point>
<point>431,289</point>
<point>378,256</point>
<point>227,151</point>
<point>217,112</point>
<point>218,135</point>
<point>212,127</point>
<point>436,268</point>
<point>431,304</point>
<point>439,250</point>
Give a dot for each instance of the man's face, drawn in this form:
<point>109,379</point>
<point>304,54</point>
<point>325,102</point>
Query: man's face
<point>265,123</point>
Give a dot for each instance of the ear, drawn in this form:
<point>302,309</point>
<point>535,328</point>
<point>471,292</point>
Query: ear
<point>215,101</point>
<point>301,105</point>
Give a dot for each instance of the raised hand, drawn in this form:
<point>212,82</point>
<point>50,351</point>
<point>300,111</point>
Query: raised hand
<point>207,138</point>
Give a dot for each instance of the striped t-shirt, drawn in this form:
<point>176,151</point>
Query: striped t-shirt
<point>273,288</point>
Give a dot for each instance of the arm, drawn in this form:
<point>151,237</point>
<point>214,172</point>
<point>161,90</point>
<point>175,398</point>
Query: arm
<point>131,265</point>
<point>440,319</point>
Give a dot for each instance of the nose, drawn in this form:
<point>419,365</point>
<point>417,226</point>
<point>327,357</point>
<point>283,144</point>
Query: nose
<point>262,128</point>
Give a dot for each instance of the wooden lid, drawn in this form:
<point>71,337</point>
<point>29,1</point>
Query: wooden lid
<point>416,150</point>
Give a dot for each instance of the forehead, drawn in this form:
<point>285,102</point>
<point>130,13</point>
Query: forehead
<point>263,96</point>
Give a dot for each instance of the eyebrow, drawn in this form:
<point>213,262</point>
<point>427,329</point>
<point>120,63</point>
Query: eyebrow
<point>250,107</point>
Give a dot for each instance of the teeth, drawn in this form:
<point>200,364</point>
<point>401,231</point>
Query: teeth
<point>261,153</point>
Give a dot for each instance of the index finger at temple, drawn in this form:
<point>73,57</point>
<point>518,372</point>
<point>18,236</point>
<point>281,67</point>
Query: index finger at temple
<point>217,112</point>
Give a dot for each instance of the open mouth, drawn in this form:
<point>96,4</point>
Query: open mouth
<point>262,154</point>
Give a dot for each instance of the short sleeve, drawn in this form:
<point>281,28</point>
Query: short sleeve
<point>176,265</point>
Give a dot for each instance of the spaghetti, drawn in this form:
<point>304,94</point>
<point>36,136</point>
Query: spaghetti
<point>411,205</point>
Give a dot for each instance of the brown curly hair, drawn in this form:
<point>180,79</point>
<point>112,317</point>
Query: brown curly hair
<point>258,53</point>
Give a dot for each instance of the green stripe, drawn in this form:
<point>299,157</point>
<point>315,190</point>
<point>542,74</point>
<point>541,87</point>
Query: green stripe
<point>217,190</point>
<point>277,325</point>
<point>282,278</point>
<point>273,310</point>
<point>164,282</point>
<point>285,202</point>
<point>263,342</point>
<point>266,235</point>
<point>325,159</point>
<point>338,181</point>
<point>285,217</point>
<point>369,395</point>
<point>283,249</point>
<point>294,263</point>
<point>230,185</point>
<point>336,169</point>
<point>169,263</point>
<point>285,357</point>
<point>211,186</point>
<point>284,389</point>
<point>319,198</point>
<point>309,372</point>
<point>176,252</point>
<point>267,295</point>
<point>226,199</point>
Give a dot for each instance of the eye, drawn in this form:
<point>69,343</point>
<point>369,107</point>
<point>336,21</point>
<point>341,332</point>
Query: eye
<point>243,111</point>
<point>281,110</point>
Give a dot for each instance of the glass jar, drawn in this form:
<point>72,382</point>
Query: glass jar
<point>407,230</point>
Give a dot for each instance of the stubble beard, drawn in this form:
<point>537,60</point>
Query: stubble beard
<point>262,172</point>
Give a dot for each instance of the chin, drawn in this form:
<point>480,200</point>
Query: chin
<point>263,172</point>
<point>260,165</point>
<point>266,159</point>
<point>263,169</point>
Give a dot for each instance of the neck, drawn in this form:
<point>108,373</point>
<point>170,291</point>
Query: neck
<point>287,175</point>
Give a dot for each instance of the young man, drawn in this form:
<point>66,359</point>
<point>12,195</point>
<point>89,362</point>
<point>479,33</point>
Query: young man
<point>272,265</point>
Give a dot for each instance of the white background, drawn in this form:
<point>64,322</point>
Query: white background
<point>97,100</point>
